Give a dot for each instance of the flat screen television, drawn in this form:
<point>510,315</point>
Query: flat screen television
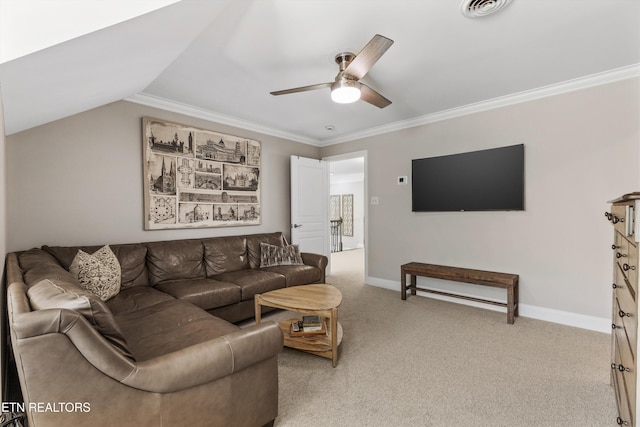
<point>486,180</point>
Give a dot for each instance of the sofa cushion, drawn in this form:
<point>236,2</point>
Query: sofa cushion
<point>222,254</point>
<point>132,259</point>
<point>253,245</point>
<point>49,295</point>
<point>253,281</point>
<point>169,326</point>
<point>271,255</point>
<point>99,272</point>
<point>297,274</point>
<point>204,293</point>
<point>34,258</point>
<point>38,265</point>
<point>175,259</point>
<point>135,298</point>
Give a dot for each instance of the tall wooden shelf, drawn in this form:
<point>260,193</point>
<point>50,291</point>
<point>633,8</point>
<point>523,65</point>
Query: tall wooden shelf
<point>624,342</point>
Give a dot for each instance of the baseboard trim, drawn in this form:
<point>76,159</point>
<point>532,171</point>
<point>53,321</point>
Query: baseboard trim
<point>567,318</point>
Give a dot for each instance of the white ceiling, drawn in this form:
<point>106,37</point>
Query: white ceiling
<point>348,170</point>
<point>220,59</point>
<point>73,18</point>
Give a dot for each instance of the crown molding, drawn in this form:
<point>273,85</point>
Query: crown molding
<point>611,76</point>
<point>201,113</point>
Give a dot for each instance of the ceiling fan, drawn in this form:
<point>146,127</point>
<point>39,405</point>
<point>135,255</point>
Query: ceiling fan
<point>347,87</point>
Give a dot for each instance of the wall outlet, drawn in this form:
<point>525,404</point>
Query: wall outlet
<point>375,200</point>
<point>402,180</point>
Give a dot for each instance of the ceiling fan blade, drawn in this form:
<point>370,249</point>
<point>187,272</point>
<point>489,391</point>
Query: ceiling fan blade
<point>372,97</point>
<point>301,89</point>
<point>368,56</point>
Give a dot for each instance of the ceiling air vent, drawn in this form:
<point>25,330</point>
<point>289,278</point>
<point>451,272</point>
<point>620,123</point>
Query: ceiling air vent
<point>480,8</point>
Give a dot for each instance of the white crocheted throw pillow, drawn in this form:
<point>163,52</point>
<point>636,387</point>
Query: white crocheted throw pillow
<point>99,273</point>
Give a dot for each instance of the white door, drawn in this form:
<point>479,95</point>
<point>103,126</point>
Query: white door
<point>310,205</point>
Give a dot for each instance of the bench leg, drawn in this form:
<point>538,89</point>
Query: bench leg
<point>511,306</point>
<point>413,284</point>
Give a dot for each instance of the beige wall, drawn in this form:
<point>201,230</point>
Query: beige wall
<point>581,149</point>
<point>79,180</point>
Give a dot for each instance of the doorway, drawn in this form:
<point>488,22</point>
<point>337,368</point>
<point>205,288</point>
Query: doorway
<point>347,212</point>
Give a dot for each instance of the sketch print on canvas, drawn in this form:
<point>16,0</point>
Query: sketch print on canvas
<point>199,178</point>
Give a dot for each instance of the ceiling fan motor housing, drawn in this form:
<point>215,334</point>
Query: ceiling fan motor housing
<point>344,59</point>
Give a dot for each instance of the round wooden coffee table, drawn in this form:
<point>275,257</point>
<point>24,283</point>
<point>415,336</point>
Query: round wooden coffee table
<point>321,300</point>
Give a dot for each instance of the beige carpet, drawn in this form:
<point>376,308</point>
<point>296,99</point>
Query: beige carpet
<point>424,362</point>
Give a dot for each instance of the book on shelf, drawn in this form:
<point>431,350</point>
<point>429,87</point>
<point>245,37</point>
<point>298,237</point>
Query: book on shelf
<point>312,323</point>
<point>297,329</point>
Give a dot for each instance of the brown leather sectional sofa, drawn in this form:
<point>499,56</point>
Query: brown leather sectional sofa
<point>164,351</point>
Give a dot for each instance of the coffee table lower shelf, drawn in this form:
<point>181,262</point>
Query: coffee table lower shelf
<point>320,345</point>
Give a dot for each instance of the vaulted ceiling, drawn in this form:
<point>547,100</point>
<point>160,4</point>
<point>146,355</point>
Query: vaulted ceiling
<point>219,59</point>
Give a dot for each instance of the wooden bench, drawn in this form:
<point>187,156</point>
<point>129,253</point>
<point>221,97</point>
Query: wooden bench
<point>466,275</point>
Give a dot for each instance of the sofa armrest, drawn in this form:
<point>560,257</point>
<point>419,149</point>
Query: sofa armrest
<point>13,270</point>
<point>207,361</point>
<point>316,260</point>
<point>35,325</point>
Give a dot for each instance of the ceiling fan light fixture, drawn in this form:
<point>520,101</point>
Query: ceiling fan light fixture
<point>346,87</point>
<point>345,91</point>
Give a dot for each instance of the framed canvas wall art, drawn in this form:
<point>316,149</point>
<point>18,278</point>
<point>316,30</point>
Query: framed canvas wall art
<point>199,178</point>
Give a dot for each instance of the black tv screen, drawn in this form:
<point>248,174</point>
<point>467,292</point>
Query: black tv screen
<point>486,180</point>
